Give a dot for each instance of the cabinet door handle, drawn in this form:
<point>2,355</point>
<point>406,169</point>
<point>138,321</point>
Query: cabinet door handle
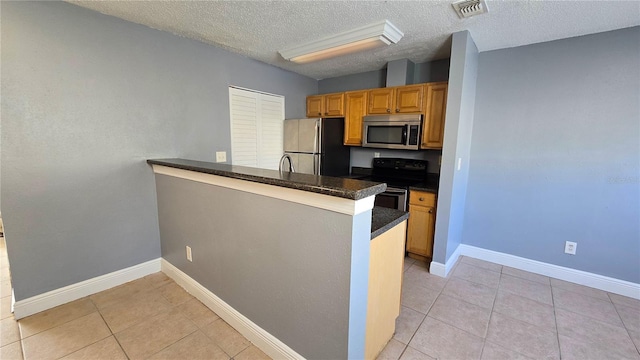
<point>388,110</point>
<point>319,114</point>
<point>421,199</point>
<point>431,211</point>
<point>397,110</point>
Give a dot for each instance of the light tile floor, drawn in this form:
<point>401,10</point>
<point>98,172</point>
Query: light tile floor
<point>481,311</point>
<point>150,318</point>
<point>488,311</point>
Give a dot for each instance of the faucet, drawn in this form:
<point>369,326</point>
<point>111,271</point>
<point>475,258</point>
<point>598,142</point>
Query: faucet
<point>288,157</point>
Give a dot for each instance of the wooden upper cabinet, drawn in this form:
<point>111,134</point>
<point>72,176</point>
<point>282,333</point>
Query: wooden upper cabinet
<point>355,110</point>
<point>334,105</point>
<point>434,115</point>
<point>409,99</point>
<point>396,100</point>
<point>381,101</point>
<point>329,105</point>
<point>315,106</point>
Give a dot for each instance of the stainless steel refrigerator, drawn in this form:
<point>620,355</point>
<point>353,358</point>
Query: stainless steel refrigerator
<point>316,146</point>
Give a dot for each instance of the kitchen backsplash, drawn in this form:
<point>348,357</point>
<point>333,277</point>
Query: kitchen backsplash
<point>362,157</point>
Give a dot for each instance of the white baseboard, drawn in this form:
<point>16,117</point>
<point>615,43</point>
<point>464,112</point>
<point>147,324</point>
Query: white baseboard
<point>266,342</point>
<point>53,298</point>
<point>443,270</point>
<point>605,283</point>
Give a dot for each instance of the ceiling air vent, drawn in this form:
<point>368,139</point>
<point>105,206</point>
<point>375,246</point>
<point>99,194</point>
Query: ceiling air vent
<point>469,8</point>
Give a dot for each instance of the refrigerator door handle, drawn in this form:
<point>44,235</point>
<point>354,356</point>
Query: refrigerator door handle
<point>315,137</point>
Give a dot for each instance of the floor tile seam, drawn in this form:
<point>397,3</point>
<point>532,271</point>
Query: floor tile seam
<point>216,343</point>
<point>528,298</point>
<point>608,299</point>
<point>528,281</point>
<point>588,340</point>
<point>63,323</point>
<point>627,330</point>
<point>483,338</point>
<point>480,267</point>
<point>74,351</point>
<point>515,351</point>
<point>416,330</point>
<point>475,282</point>
<point>430,306</point>
<point>593,318</point>
<point>527,322</point>
<point>403,349</point>
<point>175,342</point>
<point>548,283</point>
<point>439,290</point>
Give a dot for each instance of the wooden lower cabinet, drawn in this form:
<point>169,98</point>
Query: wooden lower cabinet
<point>422,221</point>
<point>386,262</point>
<point>355,110</point>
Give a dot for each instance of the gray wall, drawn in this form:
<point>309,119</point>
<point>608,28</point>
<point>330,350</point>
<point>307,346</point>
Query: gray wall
<point>287,268</point>
<point>86,99</point>
<point>457,143</point>
<point>360,81</point>
<point>555,154</point>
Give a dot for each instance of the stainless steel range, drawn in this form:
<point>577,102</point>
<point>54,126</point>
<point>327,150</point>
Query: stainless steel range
<point>399,174</point>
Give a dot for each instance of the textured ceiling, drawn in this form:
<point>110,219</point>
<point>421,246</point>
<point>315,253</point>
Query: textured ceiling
<point>258,29</point>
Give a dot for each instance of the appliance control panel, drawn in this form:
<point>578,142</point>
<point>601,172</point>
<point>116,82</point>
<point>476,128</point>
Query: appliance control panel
<point>400,164</point>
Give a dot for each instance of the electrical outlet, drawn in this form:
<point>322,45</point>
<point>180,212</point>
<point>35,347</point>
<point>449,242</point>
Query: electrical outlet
<point>189,257</point>
<point>570,247</point>
<point>221,156</point>
<point>376,154</point>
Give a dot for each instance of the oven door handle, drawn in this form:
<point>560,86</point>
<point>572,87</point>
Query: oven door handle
<point>394,192</point>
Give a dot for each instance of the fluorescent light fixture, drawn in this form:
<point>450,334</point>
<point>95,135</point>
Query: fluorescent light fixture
<point>367,37</point>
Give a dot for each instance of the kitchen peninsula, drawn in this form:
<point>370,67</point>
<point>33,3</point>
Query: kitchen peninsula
<point>298,263</point>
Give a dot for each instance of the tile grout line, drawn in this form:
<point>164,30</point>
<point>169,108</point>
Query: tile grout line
<point>112,334</point>
<point>555,320</point>
<point>623,324</point>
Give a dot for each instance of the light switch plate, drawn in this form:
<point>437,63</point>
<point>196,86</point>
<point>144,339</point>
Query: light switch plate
<point>221,156</point>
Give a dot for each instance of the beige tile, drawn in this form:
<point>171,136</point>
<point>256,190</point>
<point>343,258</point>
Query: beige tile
<point>5,307</point>
<point>544,280</point>
<point>492,351</point>
<point>408,262</point>
<point>12,351</point>
<point>57,316</point>
<point>630,317</point>
<point>5,288</point>
<point>586,305</point>
<point>580,289</point>
<point>526,288</point>
<point>444,341</point>
<point>115,295</point>
<point>194,346</point>
<point>231,341</point>
<point>527,310</point>
<point>407,324</point>
<point>635,337</point>
<point>463,315</point>
<point>468,291</point>
<point>477,275</point>
<point>9,331</point>
<point>65,339</point>
<point>130,311</point>
<point>585,350</point>
<point>147,338</point>
<point>104,349</point>
<point>481,263</point>
<point>252,353</point>
<point>523,338</point>
<point>624,300</point>
<point>158,279</point>
<point>418,276</point>
<point>418,298</point>
<point>422,264</point>
<point>600,334</point>
<point>174,294</point>
<point>392,351</point>
<point>413,354</point>
<point>197,312</point>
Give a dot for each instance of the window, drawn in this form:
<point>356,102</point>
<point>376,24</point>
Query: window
<point>256,128</point>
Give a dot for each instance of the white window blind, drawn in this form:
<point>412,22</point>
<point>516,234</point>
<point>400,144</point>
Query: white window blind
<point>256,128</point>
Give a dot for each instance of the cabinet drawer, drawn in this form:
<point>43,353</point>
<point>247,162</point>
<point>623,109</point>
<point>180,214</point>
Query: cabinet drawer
<point>422,198</point>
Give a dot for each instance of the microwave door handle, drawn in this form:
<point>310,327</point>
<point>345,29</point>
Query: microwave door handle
<point>404,134</point>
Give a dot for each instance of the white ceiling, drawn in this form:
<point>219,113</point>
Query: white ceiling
<point>258,29</point>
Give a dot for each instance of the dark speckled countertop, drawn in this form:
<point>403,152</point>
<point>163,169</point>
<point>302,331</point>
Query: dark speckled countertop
<point>327,185</point>
<point>383,219</point>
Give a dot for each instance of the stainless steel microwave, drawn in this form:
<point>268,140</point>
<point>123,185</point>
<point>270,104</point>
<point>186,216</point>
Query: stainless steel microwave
<point>392,131</point>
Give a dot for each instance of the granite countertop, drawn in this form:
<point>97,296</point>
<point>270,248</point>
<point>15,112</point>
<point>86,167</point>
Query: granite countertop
<point>327,185</point>
<point>383,219</point>
<point>426,186</point>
